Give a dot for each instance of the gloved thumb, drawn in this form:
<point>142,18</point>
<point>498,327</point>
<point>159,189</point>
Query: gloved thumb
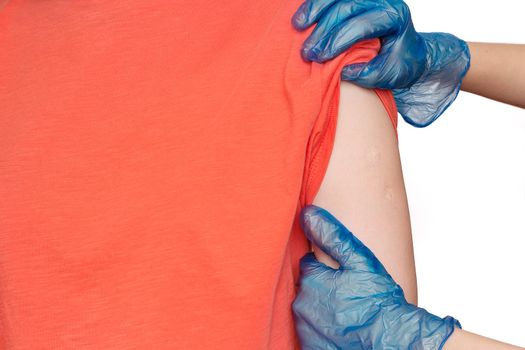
<point>325,231</point>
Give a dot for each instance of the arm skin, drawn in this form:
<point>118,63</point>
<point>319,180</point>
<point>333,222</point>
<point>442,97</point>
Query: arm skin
<point>364,185</point>
<point>497,71</point>
<point>463,340</point>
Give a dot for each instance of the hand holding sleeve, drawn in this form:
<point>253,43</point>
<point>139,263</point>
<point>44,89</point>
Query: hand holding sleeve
<point>359,305</point>
<point>423,70</point>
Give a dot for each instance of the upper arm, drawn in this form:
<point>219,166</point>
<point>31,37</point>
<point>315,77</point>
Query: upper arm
<point>364,188</point>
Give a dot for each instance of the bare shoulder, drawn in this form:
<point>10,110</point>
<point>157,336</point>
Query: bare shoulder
<point>365,148</point>
<point>364,186</point>
<point>362,106</point>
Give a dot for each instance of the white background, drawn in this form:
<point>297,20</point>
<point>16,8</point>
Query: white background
<point>465,179</point>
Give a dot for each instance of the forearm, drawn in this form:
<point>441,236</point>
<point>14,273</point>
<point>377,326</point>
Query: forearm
<point>463,340</point>
<point>497,71</point>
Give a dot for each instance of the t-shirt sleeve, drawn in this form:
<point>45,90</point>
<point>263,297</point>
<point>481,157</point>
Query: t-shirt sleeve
<point>322,136</point>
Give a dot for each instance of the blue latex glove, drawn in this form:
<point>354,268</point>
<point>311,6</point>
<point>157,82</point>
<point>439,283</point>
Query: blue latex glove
<point>424,70</point>
<point>359,305</point>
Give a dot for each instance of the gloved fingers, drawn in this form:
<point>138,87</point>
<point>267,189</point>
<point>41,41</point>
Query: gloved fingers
<point>374,74</point>
<point>332,17</point>
<point>351,72</point>
<point>325,231</point>
<point>333,41</point>
<point>309,12</point>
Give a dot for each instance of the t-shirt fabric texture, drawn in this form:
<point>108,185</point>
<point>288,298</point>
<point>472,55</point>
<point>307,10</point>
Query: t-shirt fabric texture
<point>154,156</point>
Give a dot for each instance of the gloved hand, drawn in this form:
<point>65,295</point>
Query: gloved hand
<point>359,305</point>
<point>424,70</point>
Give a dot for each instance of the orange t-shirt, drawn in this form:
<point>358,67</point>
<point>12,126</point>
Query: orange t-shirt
<point>153,158</point>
